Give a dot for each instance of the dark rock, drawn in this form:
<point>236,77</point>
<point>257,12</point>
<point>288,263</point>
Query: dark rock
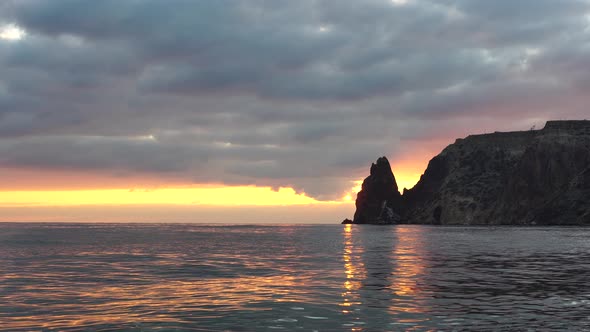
<point>537,177</point>
<point>379,201</point>
<point>346,221</point>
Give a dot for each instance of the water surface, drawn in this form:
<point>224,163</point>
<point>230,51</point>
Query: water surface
<point>146,277</point>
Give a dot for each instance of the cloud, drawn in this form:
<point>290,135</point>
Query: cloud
<point>281,93</point>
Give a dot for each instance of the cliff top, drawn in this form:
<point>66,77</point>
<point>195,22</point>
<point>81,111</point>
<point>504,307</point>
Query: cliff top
<point>573,126</point>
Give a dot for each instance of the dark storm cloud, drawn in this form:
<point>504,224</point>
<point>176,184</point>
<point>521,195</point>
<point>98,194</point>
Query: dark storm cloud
<point>280,93</point>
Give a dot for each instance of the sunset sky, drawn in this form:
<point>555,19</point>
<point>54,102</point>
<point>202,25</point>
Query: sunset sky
<point>263,111</point>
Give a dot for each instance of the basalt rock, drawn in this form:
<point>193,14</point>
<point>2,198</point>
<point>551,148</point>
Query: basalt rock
<point>536,177</point>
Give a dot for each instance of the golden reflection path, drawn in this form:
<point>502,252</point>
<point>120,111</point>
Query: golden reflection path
<point>355,272</point>
<point>408,274</point>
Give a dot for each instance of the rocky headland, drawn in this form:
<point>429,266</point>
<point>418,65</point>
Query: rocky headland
<point>535,177</point>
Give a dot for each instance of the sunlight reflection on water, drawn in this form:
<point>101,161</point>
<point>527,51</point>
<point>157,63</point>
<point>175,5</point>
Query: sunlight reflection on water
<point>331,277</point>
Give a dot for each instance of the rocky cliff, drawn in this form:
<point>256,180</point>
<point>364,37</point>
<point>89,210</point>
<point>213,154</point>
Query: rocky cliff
<point>513,178</point>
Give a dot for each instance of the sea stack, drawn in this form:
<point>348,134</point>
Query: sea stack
<point>535,177</point>
<point>379,200</point>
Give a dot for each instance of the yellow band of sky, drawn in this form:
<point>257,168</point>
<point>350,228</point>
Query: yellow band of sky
<point>222,196</point>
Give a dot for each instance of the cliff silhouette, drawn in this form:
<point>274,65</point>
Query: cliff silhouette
<point>535,177</point>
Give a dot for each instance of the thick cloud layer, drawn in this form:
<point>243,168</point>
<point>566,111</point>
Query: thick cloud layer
<point>282,93</point>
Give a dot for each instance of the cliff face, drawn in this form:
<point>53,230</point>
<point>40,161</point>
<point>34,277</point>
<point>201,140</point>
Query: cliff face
<point>516,178</point>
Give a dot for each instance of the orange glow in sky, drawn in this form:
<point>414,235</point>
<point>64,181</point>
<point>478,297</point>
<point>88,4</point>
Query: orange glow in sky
<point>406,175</point>
<point>194,195</point>
<point>221,196</point>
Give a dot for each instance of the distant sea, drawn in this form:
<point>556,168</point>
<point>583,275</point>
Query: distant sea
<point>187,277</point>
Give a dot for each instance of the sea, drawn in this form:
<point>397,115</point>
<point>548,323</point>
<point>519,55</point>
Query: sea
<point>194,277</point>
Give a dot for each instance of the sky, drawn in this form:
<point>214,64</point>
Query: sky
<point>263,110</point>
